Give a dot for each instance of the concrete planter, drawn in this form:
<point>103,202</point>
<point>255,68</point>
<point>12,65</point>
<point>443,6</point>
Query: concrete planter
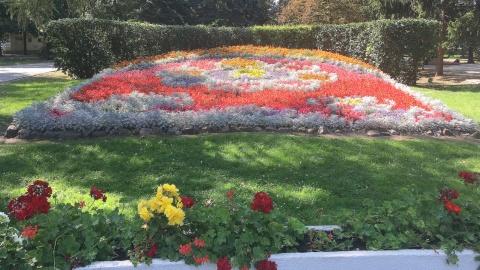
<point>340,260</point>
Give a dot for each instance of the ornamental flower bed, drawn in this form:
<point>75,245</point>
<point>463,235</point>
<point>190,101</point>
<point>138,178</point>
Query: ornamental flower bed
<point>226,233</point>
<point>240,86</point>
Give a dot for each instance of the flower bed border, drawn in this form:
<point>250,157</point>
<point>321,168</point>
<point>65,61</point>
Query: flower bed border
<point>14,132</point>
<point>345,260</point>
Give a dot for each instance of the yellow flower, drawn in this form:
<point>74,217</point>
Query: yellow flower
<point>252,72</point>
<point>176,217</point>
<point>159,194</point>
<point>141,205</point>
<point>145,215</point>
<point>154,205</point>
<point>169,211</point>
<point>171,189</point>
<point>164,203</point>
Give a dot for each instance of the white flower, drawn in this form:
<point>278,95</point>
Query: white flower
<point>16,238</point>
<point>5,218</point>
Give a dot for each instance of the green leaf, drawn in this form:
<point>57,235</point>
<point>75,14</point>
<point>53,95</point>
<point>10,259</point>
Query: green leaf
<point>68,245</point>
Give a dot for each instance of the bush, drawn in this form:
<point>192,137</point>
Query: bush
<point>397,47</point>
<point>83,47</point>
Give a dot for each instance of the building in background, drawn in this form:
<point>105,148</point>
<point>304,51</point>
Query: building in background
<point>14,44</point>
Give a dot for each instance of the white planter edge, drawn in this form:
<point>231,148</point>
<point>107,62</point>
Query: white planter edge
<point>341,260</point>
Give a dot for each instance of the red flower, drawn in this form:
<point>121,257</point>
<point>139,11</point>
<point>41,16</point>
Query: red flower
<point>262,202</point>
<point>152,251</point>
<point>57,113</point>
<point>452,207</point>
<point>223,264</point>
<point>448,195</point>
<point>187,201</point>
<point>469,177</point>
<point>244,267</point>
<point>98,194</point>
<point>30,231</point>
<point>201,260</point>
<point>266,265</point>
<point>185,249</point>
<point>25,206</point>
<point>230,194</point>
<point>199,243</point>
<point>80,204</point>
<point>19,207</point>
<point>39,188</point>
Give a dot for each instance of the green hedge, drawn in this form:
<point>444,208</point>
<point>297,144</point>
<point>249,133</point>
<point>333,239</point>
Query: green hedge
<point>398,47</point>
<point>83,47</point>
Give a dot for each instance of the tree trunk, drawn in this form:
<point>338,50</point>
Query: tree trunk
<point>441,50</point>
<point>24,42</point>
<point>470,55</point>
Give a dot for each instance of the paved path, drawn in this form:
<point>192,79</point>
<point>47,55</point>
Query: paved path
<point>9,73</point>
<point>453,74</point>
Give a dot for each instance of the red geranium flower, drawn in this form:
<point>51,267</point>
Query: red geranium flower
<point>266,265</point>
<point>223,264</point>
<point>152,251</point>
<point>469,177</point>
<point>185,249</point>
<point>80,204</point>
<point>452,207</point>
<point>30,231</point>
<point>199,243</point>
<point>187,201</point>
<point>262,202</point>
<point>201,260</point>
<point>230,194</point>
<point>448,195</point>
<point>98,194</point>
<point>25,206</point>
<point>39,188</point>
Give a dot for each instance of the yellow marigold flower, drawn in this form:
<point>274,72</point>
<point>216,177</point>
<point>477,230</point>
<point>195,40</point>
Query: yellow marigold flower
<point>172,189</point>
<point>141,205</point>
<point>154,205</point>
<point>145,215</point>
<point>179,204</point>
<point>176,217</point>
<point>164,203</point>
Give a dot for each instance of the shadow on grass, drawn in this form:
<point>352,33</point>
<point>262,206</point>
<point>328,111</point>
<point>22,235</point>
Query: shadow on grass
<point>311,178</point>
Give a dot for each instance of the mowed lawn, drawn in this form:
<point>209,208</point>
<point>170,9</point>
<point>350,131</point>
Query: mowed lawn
<point>313,178</point>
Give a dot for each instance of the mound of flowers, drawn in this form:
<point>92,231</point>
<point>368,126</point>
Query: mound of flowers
<point>244,86</point>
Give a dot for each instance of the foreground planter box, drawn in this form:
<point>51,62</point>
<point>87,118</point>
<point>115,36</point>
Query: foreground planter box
<point>341,260</point>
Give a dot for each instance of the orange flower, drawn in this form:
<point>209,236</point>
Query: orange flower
<point>452,207</point>
<point>30,231</point>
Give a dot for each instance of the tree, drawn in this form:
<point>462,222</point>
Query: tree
<point>323,11</point>
<point>24,11</point>
<point>389,9</point>
<point>7,25</point>
<point>465,32</point>
<point>122,10</point>
<point>444,11</point>
<point>170,12</point>
<point>233,12</point>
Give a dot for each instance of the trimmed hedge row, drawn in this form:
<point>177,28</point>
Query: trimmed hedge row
<point>83,47</point>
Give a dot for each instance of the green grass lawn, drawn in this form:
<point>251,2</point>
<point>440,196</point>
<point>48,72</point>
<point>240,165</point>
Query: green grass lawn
<point>10,60</point>
<point>313,178</point>
<point>19,94</point>
<point>463,98</point>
